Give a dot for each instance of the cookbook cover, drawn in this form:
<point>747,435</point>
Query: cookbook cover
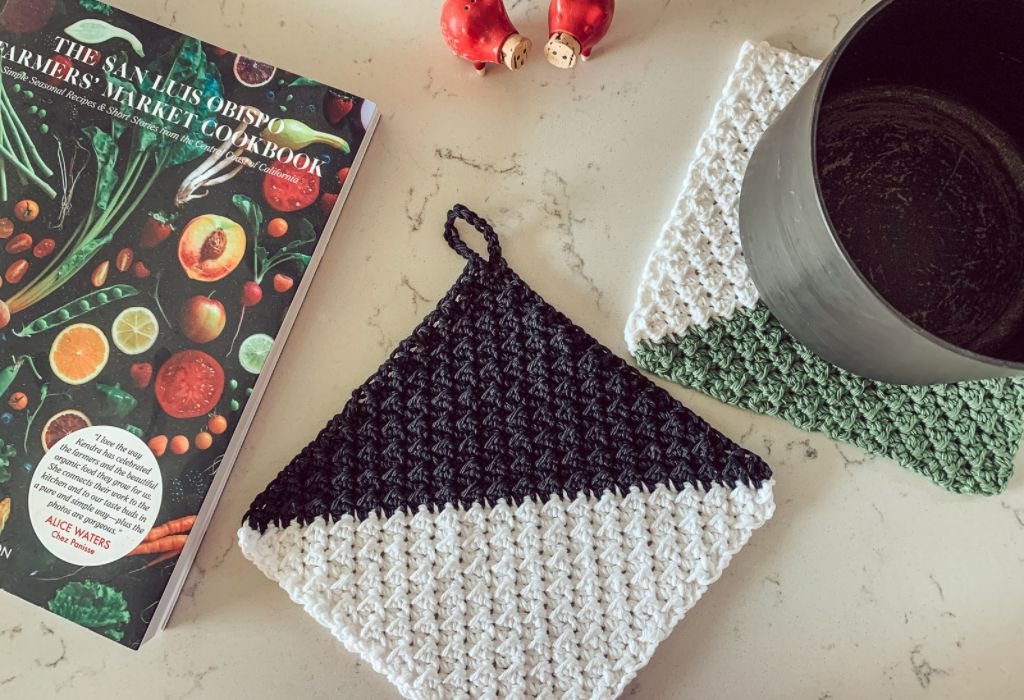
<point>163,205</point>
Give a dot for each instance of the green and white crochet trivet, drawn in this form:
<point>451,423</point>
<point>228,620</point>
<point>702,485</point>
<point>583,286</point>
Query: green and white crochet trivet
<point>698,321</point>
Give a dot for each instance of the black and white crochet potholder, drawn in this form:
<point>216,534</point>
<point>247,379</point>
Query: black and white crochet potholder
<point>506,509</point>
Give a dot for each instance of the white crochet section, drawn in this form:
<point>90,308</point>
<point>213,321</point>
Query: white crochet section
<point>557,599</point>
<point>697,273</point>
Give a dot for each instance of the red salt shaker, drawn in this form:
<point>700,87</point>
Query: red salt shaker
<point>575,27</point>
<point>481,32</point>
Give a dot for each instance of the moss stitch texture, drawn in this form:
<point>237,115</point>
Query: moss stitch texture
<point>961,436</point>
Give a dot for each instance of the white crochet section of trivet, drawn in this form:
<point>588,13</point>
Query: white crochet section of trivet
<point>697,273</point>
<point>562,599</point>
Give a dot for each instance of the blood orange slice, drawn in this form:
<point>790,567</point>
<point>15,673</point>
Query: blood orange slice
<point>252,73</point>
<point>61,424</point>
<point>189,384</point>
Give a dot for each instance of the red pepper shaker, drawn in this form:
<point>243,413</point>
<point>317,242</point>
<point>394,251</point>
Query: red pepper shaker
<point>575,27</point>
<point>481,32</point>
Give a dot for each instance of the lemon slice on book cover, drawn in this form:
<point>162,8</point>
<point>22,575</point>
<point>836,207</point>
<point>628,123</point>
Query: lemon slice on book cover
<point>79,353</point>
<point>135,330</point>
<point>253,352</point>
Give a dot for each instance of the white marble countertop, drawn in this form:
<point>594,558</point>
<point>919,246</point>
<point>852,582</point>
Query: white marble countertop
<point>869,582</point>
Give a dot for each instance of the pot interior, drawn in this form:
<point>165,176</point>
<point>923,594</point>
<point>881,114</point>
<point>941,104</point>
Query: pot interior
<point>920,160</point>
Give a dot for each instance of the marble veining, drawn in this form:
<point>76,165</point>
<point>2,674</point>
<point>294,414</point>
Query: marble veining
<point>869,582</point>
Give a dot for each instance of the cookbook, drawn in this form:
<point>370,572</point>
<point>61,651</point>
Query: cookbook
<point>164,203</point>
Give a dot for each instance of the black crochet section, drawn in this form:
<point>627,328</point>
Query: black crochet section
<point>497,395</point>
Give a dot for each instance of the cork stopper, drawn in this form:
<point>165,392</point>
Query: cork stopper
<point>562,50</point>
<point>515,51</point>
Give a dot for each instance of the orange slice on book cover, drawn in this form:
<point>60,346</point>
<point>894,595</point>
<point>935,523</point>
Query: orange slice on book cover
<point>5,512</point>
<point>79,353</point>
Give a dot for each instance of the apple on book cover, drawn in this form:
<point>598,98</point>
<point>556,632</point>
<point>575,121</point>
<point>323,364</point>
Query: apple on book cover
<point>163,206</point>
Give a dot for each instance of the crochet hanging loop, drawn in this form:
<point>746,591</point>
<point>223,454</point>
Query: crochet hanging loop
<point>451,234</point>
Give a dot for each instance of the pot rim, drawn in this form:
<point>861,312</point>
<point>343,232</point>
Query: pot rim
<point>827,68</point>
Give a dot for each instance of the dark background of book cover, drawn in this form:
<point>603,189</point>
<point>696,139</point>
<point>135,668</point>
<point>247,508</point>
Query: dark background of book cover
<point>31,572</point>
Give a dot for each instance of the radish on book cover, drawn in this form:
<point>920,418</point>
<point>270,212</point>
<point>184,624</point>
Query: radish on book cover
<point>163,204</point>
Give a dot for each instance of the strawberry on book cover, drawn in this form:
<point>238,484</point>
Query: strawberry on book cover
<point>163,205</point>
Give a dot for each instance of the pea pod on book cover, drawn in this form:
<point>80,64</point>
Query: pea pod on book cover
<point>163,206</point>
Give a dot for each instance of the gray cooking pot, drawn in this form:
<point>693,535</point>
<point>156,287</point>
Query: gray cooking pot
<point>882,214</point>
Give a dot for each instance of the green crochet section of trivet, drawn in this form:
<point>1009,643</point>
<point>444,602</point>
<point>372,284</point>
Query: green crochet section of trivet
<point>964,437</point>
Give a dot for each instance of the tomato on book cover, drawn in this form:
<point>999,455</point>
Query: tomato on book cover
<point>163,204</point>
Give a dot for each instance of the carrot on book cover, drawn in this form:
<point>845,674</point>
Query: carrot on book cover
<point>164,203</point>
